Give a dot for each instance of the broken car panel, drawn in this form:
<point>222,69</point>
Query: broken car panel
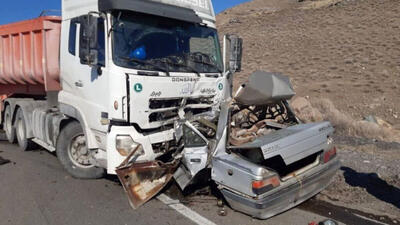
<point>265,88</point>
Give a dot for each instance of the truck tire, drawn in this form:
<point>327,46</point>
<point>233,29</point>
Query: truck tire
<point>73,154</point>
<point>21,132</point>
<point>9,128</point>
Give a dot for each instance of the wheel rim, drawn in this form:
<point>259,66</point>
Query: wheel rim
<point>78,153</point>
<point>20,130</point>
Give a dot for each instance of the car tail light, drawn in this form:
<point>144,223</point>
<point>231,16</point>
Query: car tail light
<point>328,155</point>
<point>262,186</point>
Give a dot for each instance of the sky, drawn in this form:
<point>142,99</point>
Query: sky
<point>16,10</point>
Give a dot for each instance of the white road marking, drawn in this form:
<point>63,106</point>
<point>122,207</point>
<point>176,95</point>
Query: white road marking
<point>185,211</point>
<point>372,220</point>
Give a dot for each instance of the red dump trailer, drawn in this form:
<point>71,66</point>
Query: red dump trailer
<point>29,56</point>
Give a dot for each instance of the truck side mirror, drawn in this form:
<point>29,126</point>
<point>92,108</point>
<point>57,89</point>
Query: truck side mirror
<point>233,49</point>
<point>88,52</point>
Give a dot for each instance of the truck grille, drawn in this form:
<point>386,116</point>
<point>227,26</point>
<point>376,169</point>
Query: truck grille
<point>176,102</point>
<point>167,109</point>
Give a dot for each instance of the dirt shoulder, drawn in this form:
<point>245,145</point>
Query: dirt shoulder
<point>369,179</point>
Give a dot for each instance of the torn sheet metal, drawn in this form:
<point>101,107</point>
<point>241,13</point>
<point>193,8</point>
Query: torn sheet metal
<point>195,155</point>
<point>265,88</point>
<point>142,181</point>
<point>193,161</point>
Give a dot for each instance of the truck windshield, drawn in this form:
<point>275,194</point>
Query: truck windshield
<point>173,45</point>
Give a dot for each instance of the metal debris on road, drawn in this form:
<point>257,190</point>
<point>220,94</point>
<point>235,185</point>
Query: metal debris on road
<point>222,212</point>
<point>142,181</point>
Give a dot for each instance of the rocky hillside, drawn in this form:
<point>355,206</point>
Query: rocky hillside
<point>345,50</point>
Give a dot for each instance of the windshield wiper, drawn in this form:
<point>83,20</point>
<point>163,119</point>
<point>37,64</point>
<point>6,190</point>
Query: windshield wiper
<point>183,65</point>
<point>146,63</point>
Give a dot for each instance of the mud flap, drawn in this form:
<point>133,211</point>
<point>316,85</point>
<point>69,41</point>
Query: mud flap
<point>142,181</point>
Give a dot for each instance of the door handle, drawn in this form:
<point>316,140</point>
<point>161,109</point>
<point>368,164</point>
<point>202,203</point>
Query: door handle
<point>124,106</point>
<point>79,84</point>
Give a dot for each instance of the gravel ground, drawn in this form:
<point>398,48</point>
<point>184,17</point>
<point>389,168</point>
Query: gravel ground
<point>369,179</point>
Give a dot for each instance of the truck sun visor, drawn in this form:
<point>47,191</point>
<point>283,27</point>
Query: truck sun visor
<point>265,88</point>
<point>151,7</point>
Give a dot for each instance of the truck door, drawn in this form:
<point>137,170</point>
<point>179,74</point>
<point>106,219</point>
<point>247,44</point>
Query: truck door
<point>84,87</point>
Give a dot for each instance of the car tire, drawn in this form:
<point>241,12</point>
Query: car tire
<point>9,127</point>
<point>21,132</point>
<point>72,141</point>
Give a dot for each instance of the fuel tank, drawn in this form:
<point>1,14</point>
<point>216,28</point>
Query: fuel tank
<point>29,56</point>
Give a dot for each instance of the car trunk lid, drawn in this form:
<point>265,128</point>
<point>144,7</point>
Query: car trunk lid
<point>293,143</point>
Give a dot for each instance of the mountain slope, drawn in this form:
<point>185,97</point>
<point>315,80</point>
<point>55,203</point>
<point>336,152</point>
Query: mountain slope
<point>345,50</point>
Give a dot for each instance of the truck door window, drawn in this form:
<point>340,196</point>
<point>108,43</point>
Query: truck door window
<point>72,36</point>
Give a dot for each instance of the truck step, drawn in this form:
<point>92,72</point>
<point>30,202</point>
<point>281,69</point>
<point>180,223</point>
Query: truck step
<point>48,147</point>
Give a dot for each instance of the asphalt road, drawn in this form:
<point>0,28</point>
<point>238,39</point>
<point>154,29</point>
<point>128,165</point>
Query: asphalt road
<point>35,190</point>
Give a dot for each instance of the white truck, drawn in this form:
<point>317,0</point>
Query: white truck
<point>140,88</point>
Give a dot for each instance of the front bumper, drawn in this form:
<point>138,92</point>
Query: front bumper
<point>114,159</point>
<point>287,195</point>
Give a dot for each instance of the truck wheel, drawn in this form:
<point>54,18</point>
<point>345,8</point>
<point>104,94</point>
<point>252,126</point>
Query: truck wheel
<point>8,125</point>
<point>74,154</point>
<point>20,130</point>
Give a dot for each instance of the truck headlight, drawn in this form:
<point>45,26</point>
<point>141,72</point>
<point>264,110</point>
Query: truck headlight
<point>125,145</point>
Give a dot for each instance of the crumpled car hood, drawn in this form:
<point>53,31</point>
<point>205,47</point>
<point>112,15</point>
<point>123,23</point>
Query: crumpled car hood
<point>265,88</point>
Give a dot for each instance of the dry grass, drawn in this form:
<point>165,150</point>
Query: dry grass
<point>323,109</point>
<point>347,125</point>
<point>319,4</point>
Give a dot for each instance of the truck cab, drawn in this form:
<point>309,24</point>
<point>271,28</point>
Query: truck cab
<point>129,69</point>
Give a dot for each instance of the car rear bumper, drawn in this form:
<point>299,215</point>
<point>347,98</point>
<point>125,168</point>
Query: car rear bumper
<point>287,195</point>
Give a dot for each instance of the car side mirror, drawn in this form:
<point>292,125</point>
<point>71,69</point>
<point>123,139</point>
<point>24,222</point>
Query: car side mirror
<point>88,52</point>
<point>233,50</point>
